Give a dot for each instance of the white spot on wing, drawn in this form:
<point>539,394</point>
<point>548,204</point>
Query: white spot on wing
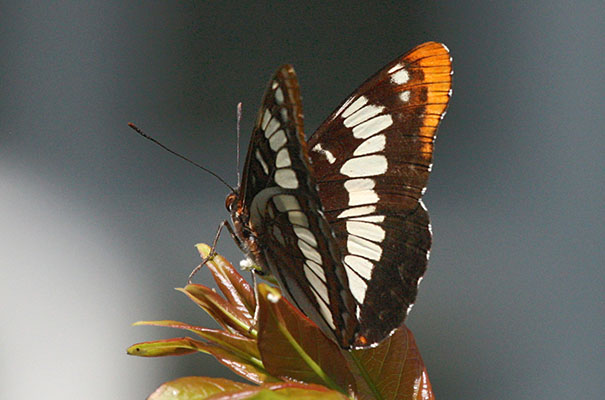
<point>400,77</point>
<point>357,286</point>
<point>278,140</point>
<point>363,114</point>
<point>305,234</point>
<point>286,202</point>
<point>366,230</point>
<point>370,218</point>
<point>339,111</point>
<point>405,96</point>
<point>274,85</point>
<point>422,205</point>
<point>309,252</point>
<point>262,162</point>
<point>320,291</point>
<point>266,119</point>
<point>361,191</point>
<point>316,283</point>
<point>360,265</point>
<point>286,178</point>
<point>356,105</point>
<point>365,166</point>
<point>354,185</point>
<point>325,311</point>
<point>298,218</point>
<point>395,68</point>
<point>372,126</point>
<point>329,156</point>
<point>271,128</point>
<point>372,145</point>
<point>364,248</point>
<point>279,96</point>
<point>356,211</point>
<point>315,267</point>
<point>283,158</point>
<point>278,235</point>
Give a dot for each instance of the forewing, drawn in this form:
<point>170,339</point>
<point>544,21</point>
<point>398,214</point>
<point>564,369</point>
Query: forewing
<point>372,159</point>
<point>294,240</point>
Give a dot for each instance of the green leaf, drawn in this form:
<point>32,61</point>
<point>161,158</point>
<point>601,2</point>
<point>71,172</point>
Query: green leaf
<point>167,347</point>
<point>293,347</point>
<point>235,288</point>
<point>199,388</point>
<point>393,370</point>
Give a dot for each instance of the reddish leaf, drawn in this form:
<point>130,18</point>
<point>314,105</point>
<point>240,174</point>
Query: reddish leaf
<point>198,388</point>
<point>235,288</point>
<point>229,341</point>
<point>393,370</point>
<point>282,391</point>
<point>293,347</point>
<point>226,314</point>
<point>254,372</point>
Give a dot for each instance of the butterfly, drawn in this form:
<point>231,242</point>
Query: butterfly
<point>338,220</point>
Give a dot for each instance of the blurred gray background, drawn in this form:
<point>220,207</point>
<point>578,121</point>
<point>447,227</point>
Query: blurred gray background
<point>98,225</point>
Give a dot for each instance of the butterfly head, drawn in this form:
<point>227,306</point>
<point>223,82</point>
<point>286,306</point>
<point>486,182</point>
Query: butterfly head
<point>238,217</point>
<point>230,201</point>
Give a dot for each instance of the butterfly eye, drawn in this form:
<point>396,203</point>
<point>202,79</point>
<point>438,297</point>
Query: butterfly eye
<point>229,201</point>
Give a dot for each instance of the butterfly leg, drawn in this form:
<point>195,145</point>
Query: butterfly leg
<point>256,300</point>
<point>212,250</point>
<point>254,271</point>
<point>248,264</point>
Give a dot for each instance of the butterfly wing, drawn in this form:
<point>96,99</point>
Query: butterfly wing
<point>372,159</point>
<point>280,215</point>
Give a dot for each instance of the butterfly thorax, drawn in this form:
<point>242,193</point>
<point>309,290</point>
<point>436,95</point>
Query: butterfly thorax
<point>244,234</point>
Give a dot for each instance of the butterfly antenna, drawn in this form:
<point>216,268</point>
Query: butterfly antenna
<point>140,132</point>
<point>239,118</point>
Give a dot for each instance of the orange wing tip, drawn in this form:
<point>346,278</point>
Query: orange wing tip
<point>362,341</point>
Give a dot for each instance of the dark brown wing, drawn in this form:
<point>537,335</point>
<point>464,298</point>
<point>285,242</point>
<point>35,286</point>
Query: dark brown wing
<point>372,159</point>
<point>290,235</point>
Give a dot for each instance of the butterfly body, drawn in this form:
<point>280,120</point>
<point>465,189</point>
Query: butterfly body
<point>338,220</point>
